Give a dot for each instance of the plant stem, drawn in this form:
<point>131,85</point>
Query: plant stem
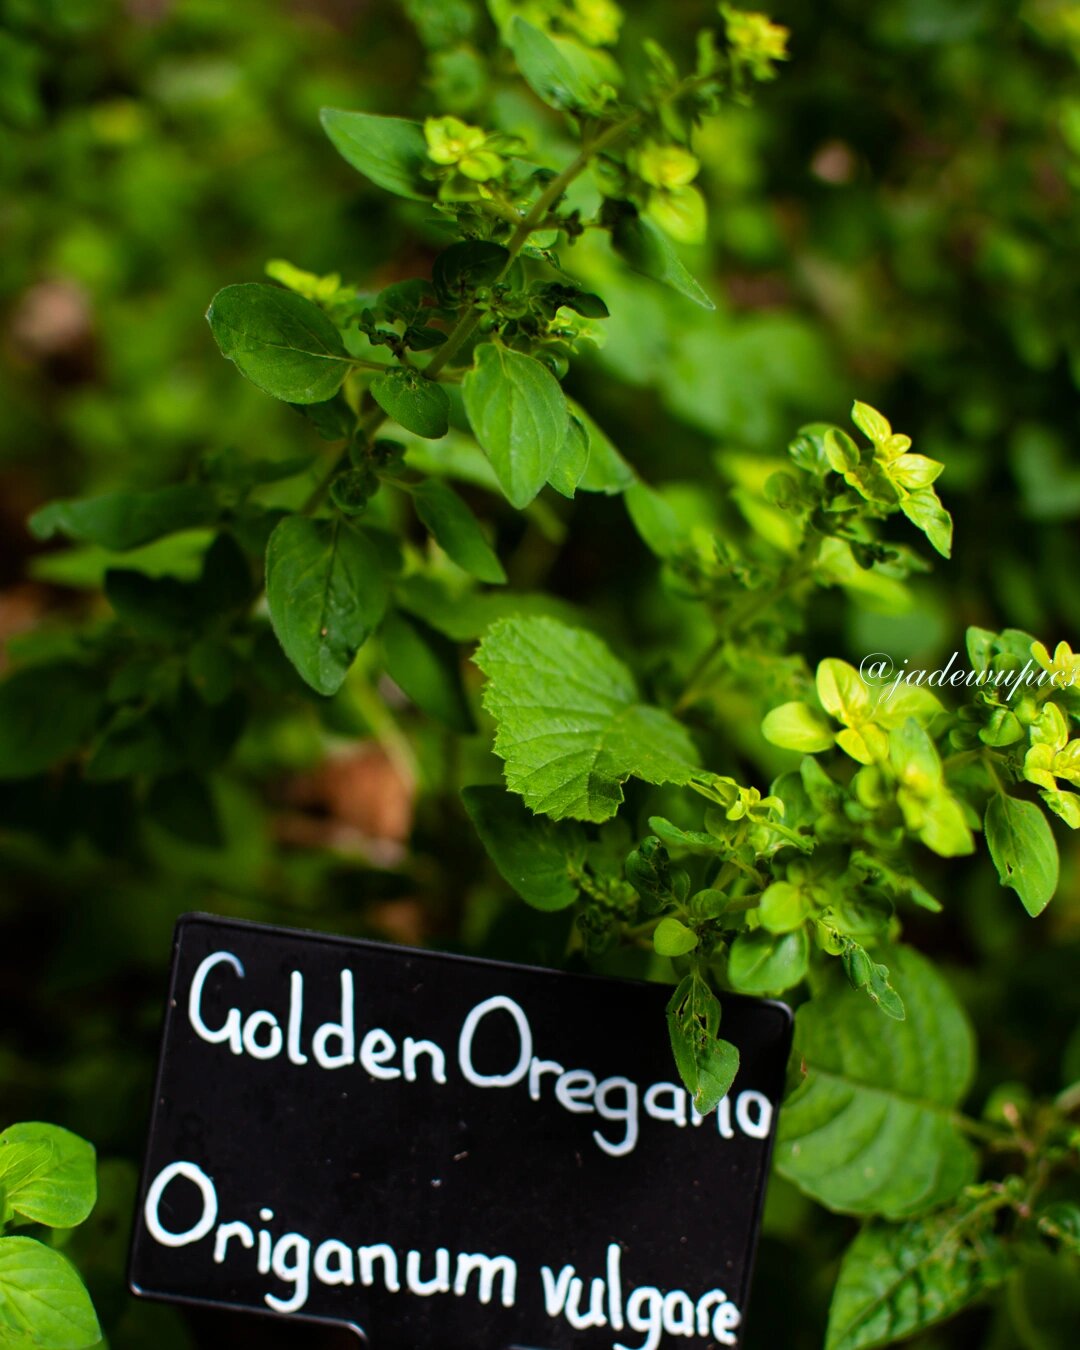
<point>469,320</point>
<point>538,212</point>
<point>980,1129</point>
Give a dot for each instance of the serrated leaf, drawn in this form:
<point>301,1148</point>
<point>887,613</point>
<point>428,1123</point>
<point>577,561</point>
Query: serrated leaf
<point>456,530</point>
<point>571,727</point>
<point>646,249</point>
<point>125,520</point>
<point>47,1174</point>
<point>898,1280</point>
<point>326,594</point>
<point>562,72</point>
<point>519,414</point>
<point>43,1303</point>
<point>707,1065</point>
<point>532,853</point>
<point>872,1128</point>
<point>391,151</point>
<point>283,343</point>
<point>46,713</point>
<point>1024,850</point>
<point>419,405</point>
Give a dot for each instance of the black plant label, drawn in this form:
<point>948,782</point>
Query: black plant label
<point>441,1152</point>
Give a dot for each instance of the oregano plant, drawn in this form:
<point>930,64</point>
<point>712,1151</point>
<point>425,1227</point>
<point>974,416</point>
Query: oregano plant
<point>48,1184</point>
<point>706,801</point>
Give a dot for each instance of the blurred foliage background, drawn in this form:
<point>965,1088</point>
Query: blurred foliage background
<point>895,220</point>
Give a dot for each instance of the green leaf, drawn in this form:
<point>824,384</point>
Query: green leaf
<point>283,343</point>
<point>765,963</point>
<point>706,1064</point>
<point>696,841</point>
<point>135,741</point>
<point>841,451</point>
<point>391,151</point>
<point>47,1174</point>
<point>1065,805</point>
<point>43,1303</point>
<point>655,520</point>
<point>797,726</point>
<point>646,249</point>
<point>460,270</point>
<point>46,713</point>
<point>532,853</point>
<point>649,871</point>
<point>426,666</point>
<point>421,406</point>
<point>872,1128</point>
<point>1024,850</point>
<point>1044,1298</point>
<point>672,938</point>
<point>572,461</point>
<point>924,509</point>
<point>842,691</point>
<point>183,804</point>
<point>783,907</point>
<point>870,422</point>
<point>865,973</point>
<point>899,1280</point>
<point>126,520</point>
<point>456,530</point>
<point>160,607</point>
<point>326,594</point>
<point>518,412</point>
<point>570,725</point>
<point>564,73</point>
<point>606,470</point>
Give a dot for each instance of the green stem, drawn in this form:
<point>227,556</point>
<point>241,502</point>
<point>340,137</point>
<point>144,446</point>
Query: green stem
<point>387,733</point>
<point>468,321</point>
<point>979,1129</point>
<point>467,324</point>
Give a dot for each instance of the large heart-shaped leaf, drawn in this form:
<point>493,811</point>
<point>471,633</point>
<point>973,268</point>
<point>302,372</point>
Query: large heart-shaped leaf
<point>896,1280</point>
<point>872,1129</point>
<point>571,726</point>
